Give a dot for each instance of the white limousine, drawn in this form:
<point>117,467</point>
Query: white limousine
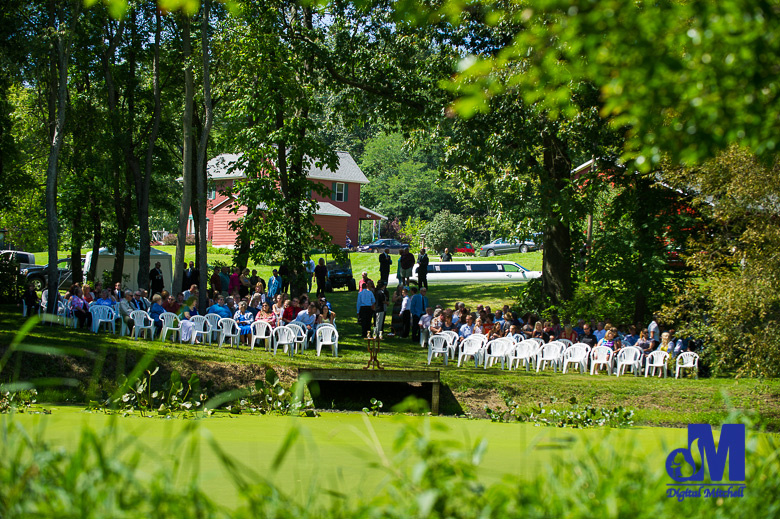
<point>457,272</point>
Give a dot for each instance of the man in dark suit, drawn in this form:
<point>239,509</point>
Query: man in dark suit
<point>192,275</point>
<point>385,261</point>
<point>156,279</point>
<point>422,269</point>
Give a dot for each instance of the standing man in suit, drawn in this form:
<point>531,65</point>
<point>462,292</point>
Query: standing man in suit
<point>385,261</point>
<point>193,275</point>
<point>156,278</point>
<point>422,269</point>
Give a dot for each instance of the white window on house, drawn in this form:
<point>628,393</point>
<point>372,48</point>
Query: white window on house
<point>339,192</point>
<point>212,193</point>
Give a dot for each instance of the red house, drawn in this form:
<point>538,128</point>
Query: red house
<point>340,214</point>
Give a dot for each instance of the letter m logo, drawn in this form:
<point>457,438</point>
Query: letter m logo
<point>731,445</point>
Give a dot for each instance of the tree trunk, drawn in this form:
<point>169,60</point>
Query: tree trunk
<point>52,223</point>
<point>143,182</point>
<point>201,160</point>
<point>557,257</point>
<point>97,235</point>
<point>75,247</point>
<point>184,208</point>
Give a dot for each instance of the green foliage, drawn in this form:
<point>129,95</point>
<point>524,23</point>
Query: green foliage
<point>404,183</point>
<point>269,396</point>
<point>19,401</point>
<point>410,232</point>
<point>175,398</point>
<point>686,78</point>
<point>735,307</point>
<point>445,231</point>
<point>574,417</point>
<point>376,407</point>
<point>11,283</point>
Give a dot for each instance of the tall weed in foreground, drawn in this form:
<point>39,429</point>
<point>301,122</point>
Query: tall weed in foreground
<point>427,477</point>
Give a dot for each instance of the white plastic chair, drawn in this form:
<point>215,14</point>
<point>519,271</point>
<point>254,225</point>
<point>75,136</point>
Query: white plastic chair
<point>452,341</point>
<point>170,323</point>
<point>261,331</point>
<point>200,326</point>
<point>565,342</point>
<point>213,320</point>
<point>538,340</point>
<point>229,330</point>
<point>437,344</point>
<point>601,356</point>
<point>471,347</point>
<point>551,352</point>
<point>524,352</point>
<point>285,337</point>
<point>140,319</point>
<point>496,349</point>
<point>656,360</point>
<point>629,358</point>
<point>687,360</point>
<point>576,355</point>
<point>102,315</point>
<point>327,336</point>
<point>300,335</point>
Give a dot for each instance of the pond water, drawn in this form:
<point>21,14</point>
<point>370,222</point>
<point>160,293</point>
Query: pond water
<point>335,451</point>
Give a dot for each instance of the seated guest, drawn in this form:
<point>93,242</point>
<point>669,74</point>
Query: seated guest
<point>631,338</point>
<point>610,340</point>
<point>231,304</point>
<point>30,298</point>
<point>448,325</point>
<point>578,328</point>
<point>308,318</point>
<point>117,294</point>
<point>125,308</point>
<point>644,343</point>
<point>156,310</point>
<point>186,312</point>
<point>588,337</point>
<point>538,332</point>
<point>326,314</point>
<point>80,309</point>
<point>436,322</point>
<point>601,330</point>
<point>104,299</point>
<point>496,332</point>
<point>467,329</point>
<point>192,292</point>
<point>425,324</point>
<point>266,315</point>
<point>254,305</point>
<point>86,293</point>
<point>569,334</point>
<point>220,308</point>
<point>244,318</point>
<point>291,310</point>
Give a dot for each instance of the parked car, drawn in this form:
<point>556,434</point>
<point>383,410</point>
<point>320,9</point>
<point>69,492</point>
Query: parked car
<point>340,275</point>
<point>395,246</point>
<point>466,248</point>
<point>24,259</point>
<point>38,276</point>
<point>502,246</point>
<point>458,272</point>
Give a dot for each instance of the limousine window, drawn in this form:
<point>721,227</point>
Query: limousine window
<point>484,267</point>
<point>511,268</point>
<point>453,267</point>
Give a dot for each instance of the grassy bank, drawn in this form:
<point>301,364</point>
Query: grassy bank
<point>95,361</point>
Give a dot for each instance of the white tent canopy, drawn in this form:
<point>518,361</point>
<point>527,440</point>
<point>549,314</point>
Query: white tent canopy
<point>105,261</point>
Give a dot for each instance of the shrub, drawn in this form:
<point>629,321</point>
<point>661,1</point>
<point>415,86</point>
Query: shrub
<point>173,239</point>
